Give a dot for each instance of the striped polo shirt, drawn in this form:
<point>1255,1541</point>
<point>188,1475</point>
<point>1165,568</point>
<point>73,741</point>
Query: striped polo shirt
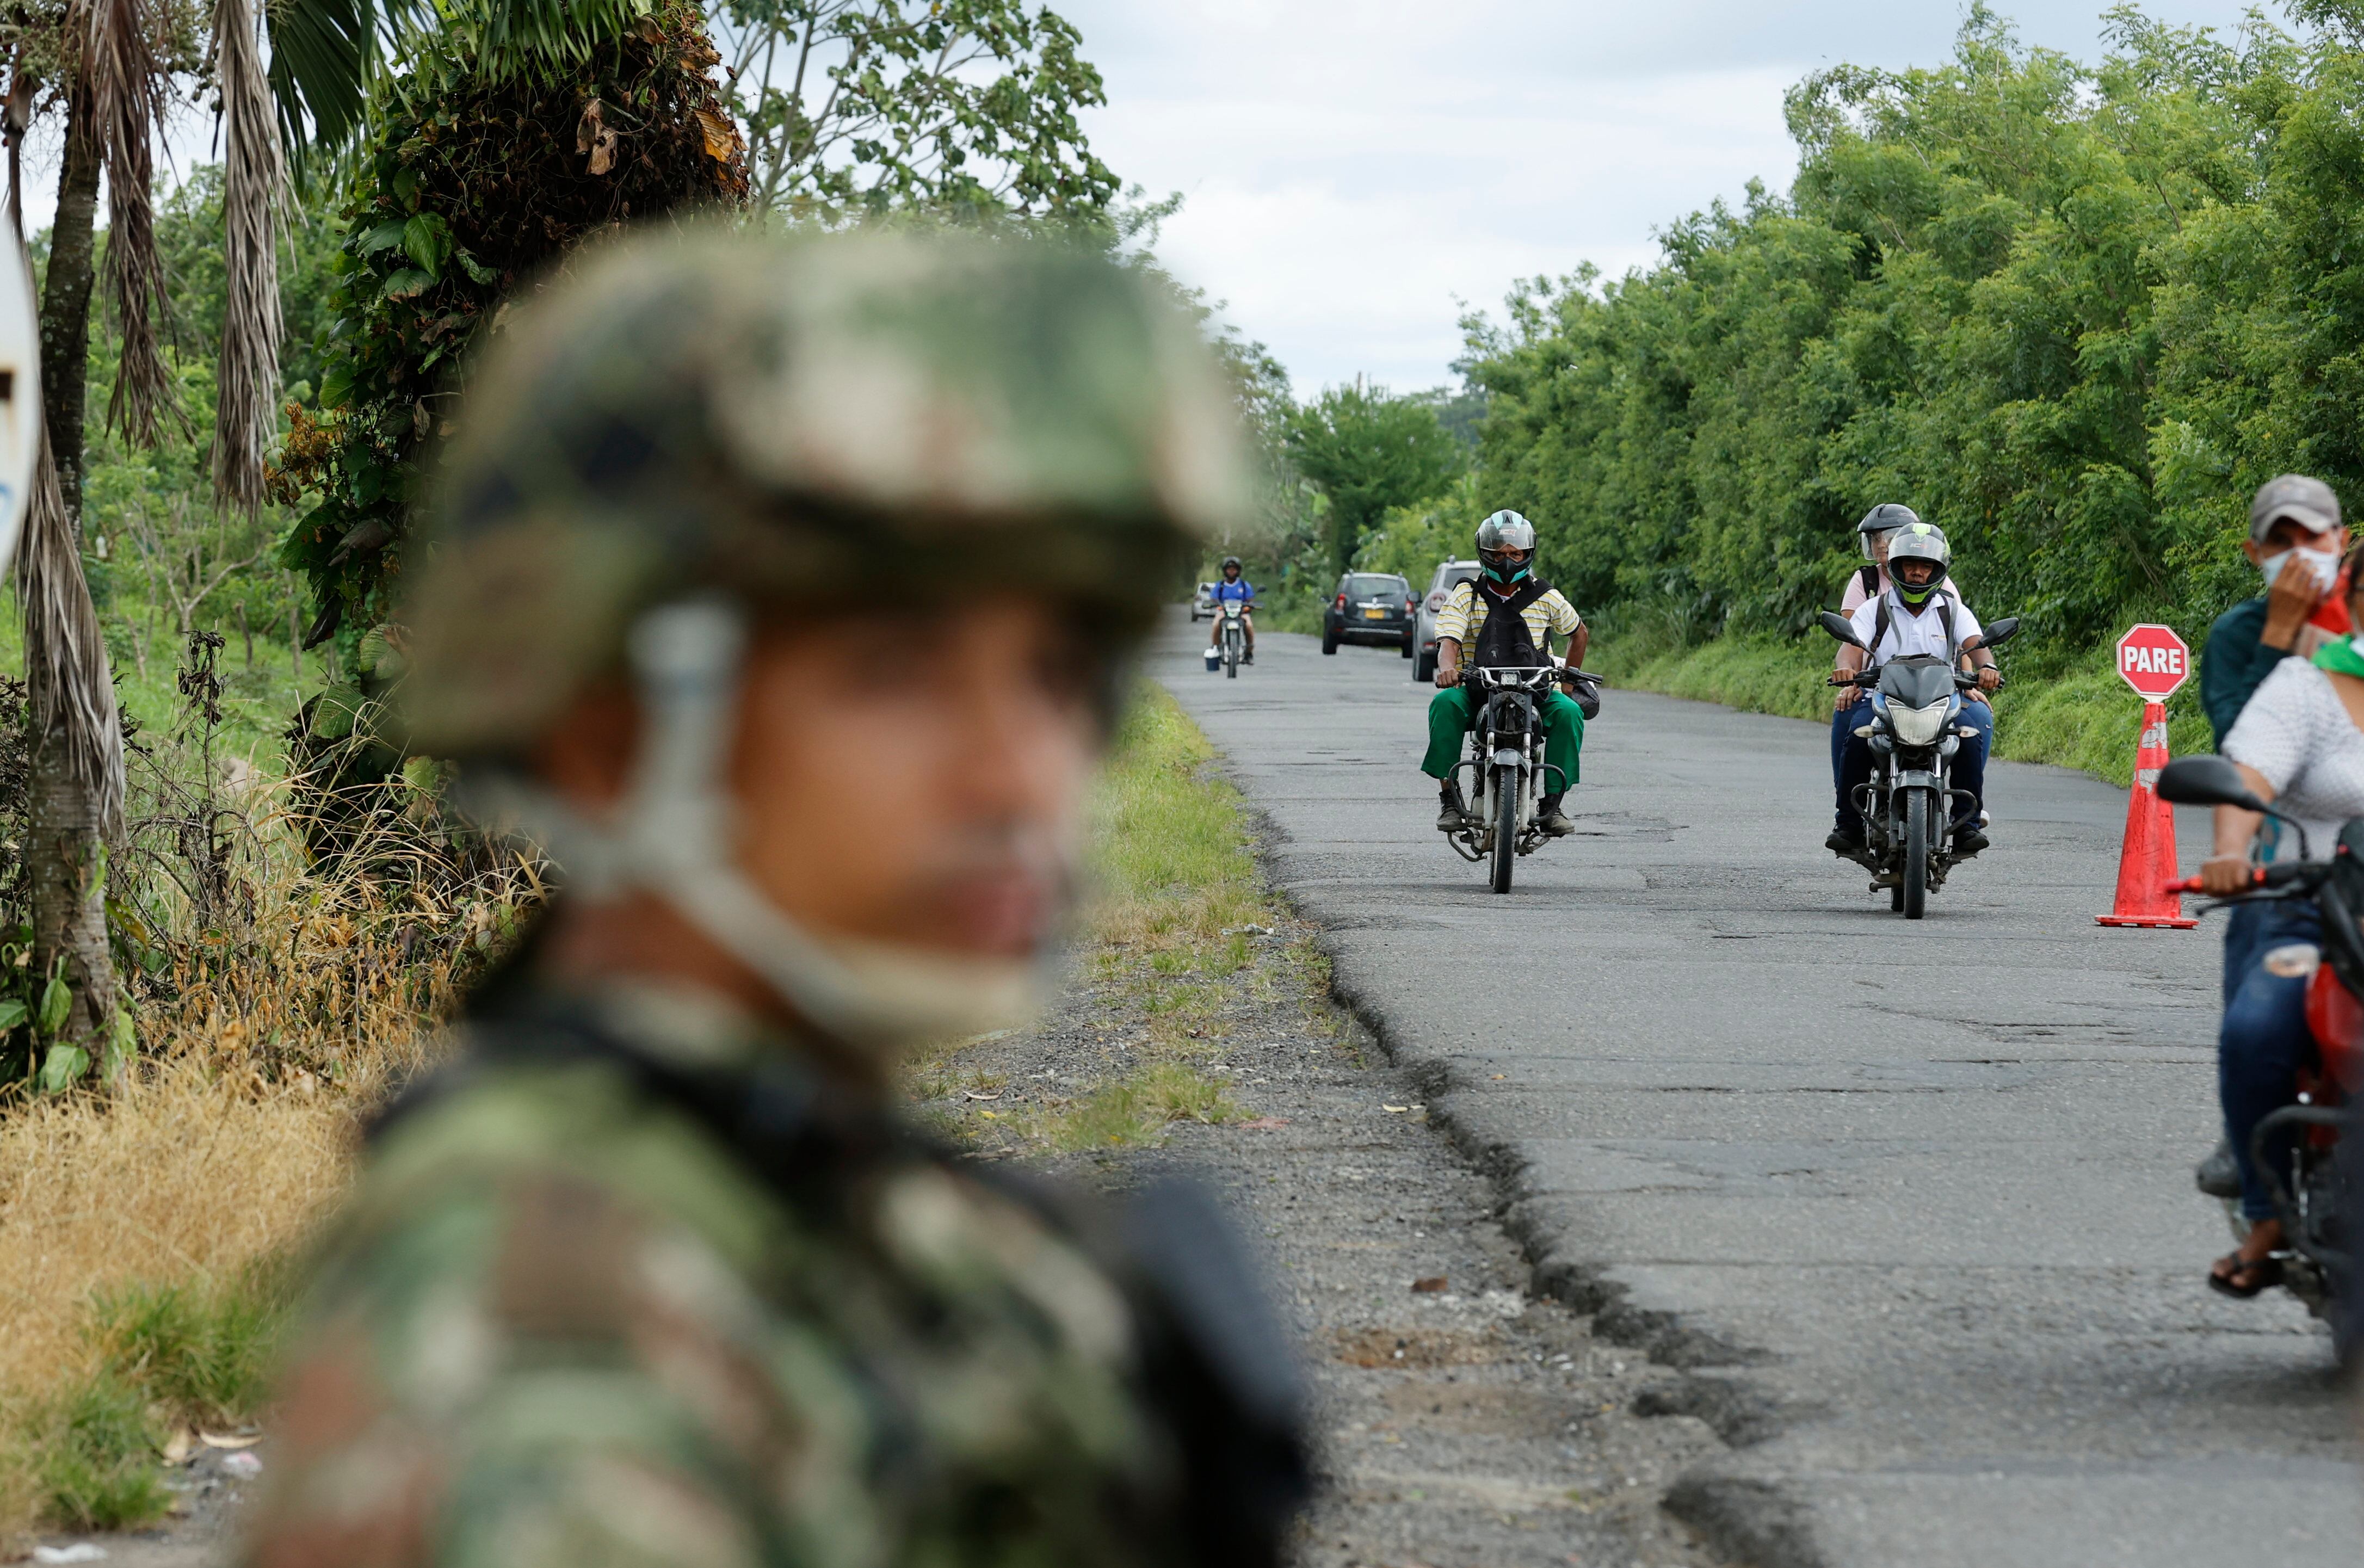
<point>1463,616</point>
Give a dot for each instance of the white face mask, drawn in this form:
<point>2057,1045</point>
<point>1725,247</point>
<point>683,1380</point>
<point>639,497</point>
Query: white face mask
<point>2323,564</point>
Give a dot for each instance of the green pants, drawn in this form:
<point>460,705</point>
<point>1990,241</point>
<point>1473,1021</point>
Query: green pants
<point>1453,710</point>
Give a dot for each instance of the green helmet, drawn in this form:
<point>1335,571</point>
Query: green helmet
<point>1919,541</point>
<point>772,419</point>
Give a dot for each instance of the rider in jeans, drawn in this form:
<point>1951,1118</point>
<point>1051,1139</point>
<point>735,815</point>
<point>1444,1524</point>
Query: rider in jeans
<point>1917,614</point>
<point>1506,618</point>
<point>1865,584</point>
<point>2299,743</point>
<point>1235,587</point>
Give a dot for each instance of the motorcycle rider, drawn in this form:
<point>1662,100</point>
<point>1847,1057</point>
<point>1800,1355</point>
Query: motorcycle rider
<point>2296,540</point>
<point>2299,743</point>
<point>1235,587</point>
<point>1519,637</point>
<point>1917,614</point>
<point>1867,582</point>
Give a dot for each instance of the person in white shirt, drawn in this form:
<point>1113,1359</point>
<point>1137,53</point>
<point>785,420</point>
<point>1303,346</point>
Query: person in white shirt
<point>1917,614</point>
<point>1868,582</point>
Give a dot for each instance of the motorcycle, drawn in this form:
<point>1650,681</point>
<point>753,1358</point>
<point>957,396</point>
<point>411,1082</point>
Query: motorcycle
<point>2308,1196</point>
<point>1506,764</point>
<point>1231,637</point>
<point>1907,808</point>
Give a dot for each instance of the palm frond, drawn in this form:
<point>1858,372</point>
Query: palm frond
<point>507,37</point>
<point>255,187</point>
<point>128,81</point>
<point>66,678</point>
<point>322,55</point>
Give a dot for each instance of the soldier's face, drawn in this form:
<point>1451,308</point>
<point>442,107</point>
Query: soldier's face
<point>919,778</point>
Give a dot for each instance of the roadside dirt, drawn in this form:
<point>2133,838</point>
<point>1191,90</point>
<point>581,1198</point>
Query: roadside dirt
<point>1463,1422</point>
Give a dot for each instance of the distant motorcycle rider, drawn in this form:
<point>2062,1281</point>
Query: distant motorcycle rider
<point>1235,586</point>
<point>1917,614</point>
<point>1505,618</point>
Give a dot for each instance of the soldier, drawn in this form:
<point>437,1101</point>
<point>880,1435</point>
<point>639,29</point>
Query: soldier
<point>784,589</point>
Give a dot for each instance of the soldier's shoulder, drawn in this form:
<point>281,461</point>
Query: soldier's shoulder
<point>478,1140</point>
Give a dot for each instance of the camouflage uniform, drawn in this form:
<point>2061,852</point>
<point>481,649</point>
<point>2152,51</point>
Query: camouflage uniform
<point>632,1283</point>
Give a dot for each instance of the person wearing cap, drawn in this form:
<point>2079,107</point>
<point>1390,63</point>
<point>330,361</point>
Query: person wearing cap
<point>2299,745</point>
<point>1865,584</point>
<point>2297,538</point>
<point>653,1274</point>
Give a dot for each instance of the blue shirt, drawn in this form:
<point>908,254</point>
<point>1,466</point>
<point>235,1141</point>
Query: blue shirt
<point>1241,589</point>
<point>2234,662</point>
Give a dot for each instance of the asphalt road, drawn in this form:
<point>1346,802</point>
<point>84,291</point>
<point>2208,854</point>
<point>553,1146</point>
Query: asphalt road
<point>1913,1200</point>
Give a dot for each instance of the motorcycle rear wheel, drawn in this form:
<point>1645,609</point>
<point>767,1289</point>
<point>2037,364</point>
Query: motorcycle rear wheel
<point>1916,887</point>
<point>1506,826</point>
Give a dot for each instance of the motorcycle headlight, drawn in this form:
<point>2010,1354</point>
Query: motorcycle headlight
<point>1918,726</point>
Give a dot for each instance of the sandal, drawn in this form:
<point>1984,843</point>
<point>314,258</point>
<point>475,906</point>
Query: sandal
<point>2263,1275</point>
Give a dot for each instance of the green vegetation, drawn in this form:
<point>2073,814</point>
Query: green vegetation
<point>2073,313</point>
<point>166,1362</point>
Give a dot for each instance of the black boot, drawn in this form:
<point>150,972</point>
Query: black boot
<point>1551,818</point>
<point>1843,841</point>
<point>1451,817</point>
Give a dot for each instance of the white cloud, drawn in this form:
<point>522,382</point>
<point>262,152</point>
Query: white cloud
<point>1351,169</point>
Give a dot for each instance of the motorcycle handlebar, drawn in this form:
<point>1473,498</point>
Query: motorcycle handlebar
<point>2261,878</point>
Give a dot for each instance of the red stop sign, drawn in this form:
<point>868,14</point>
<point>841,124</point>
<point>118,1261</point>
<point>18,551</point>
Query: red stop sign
<point>2153,660</point>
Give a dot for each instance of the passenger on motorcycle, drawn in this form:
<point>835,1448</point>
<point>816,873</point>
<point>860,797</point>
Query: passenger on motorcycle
<point>1505,618</point>
<point>1917,614</point>
<point>1235,587</point>
<point>2299,743</point>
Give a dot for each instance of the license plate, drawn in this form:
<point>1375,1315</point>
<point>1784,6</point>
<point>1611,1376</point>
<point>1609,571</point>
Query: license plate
<point>1374,615</point>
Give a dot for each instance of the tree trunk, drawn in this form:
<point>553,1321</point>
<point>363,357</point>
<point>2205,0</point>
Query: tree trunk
<point>67,861</point>
<point>65,298</point>
<point>65,661</point>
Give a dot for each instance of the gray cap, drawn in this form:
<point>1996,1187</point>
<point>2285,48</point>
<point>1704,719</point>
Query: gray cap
<point>2307,502</point>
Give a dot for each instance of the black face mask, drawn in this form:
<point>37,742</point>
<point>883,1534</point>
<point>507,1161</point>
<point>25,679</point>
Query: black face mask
<point>1506,573</point>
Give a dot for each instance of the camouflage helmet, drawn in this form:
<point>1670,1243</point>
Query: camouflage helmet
<point>785,421</point>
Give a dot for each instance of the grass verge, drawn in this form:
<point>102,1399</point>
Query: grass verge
<point>2073,712</point>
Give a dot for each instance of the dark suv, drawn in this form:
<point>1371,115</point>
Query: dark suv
<point>1369,606</point>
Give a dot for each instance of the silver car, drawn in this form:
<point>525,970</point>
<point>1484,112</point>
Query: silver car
<point>1423,658</point>
<point>1203,606</point>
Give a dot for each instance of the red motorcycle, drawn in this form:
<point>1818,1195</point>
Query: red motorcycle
<point>2311,1196</point>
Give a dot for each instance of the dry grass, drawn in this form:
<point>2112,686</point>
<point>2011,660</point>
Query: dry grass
<point>275,1011</point>
<point>275,1014</point>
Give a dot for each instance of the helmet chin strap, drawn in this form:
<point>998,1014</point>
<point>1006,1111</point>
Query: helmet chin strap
<point>670,836</point>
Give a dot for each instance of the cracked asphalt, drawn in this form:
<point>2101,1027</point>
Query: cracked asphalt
<point>1907,1206</point>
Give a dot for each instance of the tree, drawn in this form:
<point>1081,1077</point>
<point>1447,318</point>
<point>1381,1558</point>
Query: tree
<point>1368,452</point>
<point>111,68</point>
<point>857,108</point>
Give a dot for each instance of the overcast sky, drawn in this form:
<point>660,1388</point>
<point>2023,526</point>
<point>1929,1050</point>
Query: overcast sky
<point>1352,168</point>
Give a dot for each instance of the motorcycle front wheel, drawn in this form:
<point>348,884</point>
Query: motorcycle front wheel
<point>1231,655</point>
<point>1917,853</point>
<point>1506,826</point>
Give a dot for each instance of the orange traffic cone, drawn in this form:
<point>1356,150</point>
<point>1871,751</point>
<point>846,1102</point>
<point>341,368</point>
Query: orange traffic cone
<point>2146,860</point>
